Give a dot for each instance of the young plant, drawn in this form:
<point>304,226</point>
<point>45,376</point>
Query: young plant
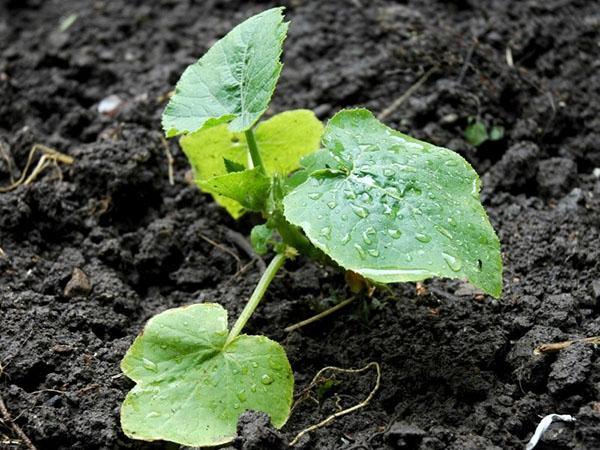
<point>370,200</point>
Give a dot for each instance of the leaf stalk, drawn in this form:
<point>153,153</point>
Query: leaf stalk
<point>254,152</point>
<point>259,292</point>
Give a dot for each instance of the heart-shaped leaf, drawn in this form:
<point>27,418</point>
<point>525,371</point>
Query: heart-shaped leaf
<point>233,81</point>
<point>191,388</point>
<point>395,209</point>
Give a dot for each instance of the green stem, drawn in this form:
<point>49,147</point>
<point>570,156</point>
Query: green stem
<point>254,152</point>
<point>257,296</point>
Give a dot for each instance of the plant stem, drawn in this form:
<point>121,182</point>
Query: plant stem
<point>254,152</point>
<point>257,296</point>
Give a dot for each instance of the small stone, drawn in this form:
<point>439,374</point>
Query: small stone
<point>109,105</point>
<point>596,289</point>
<point>405,435</point>
<point>78,285</point>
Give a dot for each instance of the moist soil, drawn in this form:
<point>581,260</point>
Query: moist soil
<point>457,368</point>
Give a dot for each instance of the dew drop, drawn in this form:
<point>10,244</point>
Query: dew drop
<point>266,379</point>
<point>326,232</point>
<point>360,211</point>
<point>152,415</point>
<point>422,237</point>
<point>241,395</point>
<point>394,233</point>
<point>346,238</point>
<point>149,365</point>
<point>350,194</point>
<point>388,172</point>
<point>254,364</point>
<point>331,204</point>
<point>366,197</point>
<point>373,252</point>
<point>236,406</point>
<point>163,346</point>
<point>315,195</point>
<point>452,261</point>
<point>360,251</point>
<point>443,231</point>
<point>244,370</point>
<point>253,387</point>
<point>235,371</point>
<point>273,364</point>
<point>368,235</point>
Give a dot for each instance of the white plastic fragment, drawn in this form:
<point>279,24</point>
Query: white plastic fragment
<point>109,105</point>
<point>543,426</point>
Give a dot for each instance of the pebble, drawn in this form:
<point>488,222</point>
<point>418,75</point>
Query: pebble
<point>109,106</point>
<point>78,285</point>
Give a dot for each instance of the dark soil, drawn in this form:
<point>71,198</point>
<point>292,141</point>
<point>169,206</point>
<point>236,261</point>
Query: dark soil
<point>458,370</point>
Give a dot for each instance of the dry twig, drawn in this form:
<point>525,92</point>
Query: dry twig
<point>9,421</point>
<point>319,316</point>
<point>410,91</point>
<point>50,157</point>
<point>557,346</point>
<point>347,410</point>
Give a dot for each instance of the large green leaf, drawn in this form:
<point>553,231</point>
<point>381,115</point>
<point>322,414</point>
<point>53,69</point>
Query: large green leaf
<point>191,389</point>
<point>283,140</point>
<point>233,81</point>
<point>396,209</point>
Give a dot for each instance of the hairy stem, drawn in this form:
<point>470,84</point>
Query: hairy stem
<point>254,152</point>
<point>256,296</point>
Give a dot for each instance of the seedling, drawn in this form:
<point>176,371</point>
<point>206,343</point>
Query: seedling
<point>355,194</point>
<point>477,133</point>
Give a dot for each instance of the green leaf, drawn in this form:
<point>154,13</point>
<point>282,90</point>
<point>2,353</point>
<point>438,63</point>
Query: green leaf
<point>234,80</point>
<point>476,134</point>
<point>190,389</point>
<point>496,133</point>
<point>396,209</point>
<point>249,188</point>
<point>232,166</point>
<point>283,140</point>
<point>260,237</point>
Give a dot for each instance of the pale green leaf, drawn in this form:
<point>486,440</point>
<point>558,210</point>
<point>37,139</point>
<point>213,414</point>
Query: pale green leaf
<point>234,80</point>
<point>396,209</point>
<point>190,389</point>
<point>283,140</point>
<point>249,188</point>
<point>260,237</point>
<point>476,134</point>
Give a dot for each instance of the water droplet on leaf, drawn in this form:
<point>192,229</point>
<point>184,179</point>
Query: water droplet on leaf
<point>394,233</point>
<point>452,261</point>
<point>360,211</point>
<point>266,379</point>
<point>149,365</point>
<point>421,237</point>
<point>360,251</point>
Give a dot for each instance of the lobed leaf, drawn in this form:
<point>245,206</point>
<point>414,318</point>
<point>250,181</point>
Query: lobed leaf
<point>395,209</point>
<point>234,80</point>
<point>191,389</point>
<point>283,140</point>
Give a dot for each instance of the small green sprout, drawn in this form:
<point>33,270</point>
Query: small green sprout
<point>477,132</point>
<point>356,194</point>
